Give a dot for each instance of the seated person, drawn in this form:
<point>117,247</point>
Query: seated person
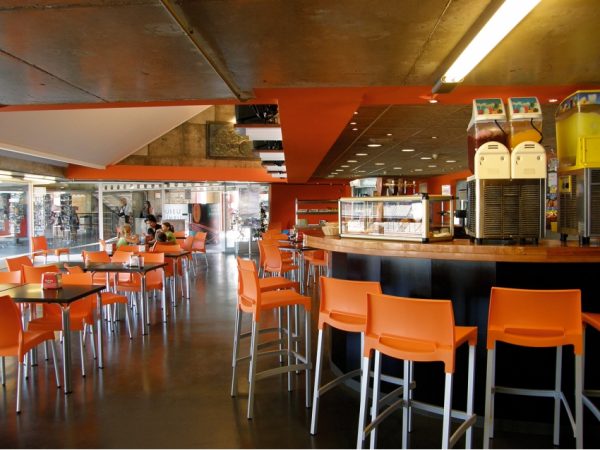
<point>126,237</point>
<point>169,231</point>
<point>160,238</point>
<point>153,226</point>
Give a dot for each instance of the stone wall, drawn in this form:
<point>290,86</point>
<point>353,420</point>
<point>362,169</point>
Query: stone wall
<point>186,144</point>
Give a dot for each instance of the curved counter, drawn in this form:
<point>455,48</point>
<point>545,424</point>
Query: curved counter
<point>465,272</point>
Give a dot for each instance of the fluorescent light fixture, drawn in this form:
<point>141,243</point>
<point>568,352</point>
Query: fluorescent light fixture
<point>510,13</point>
<point>408,149</point>
<point>262,133</point>
<point>380,164</point>
<point>425,157</point>
<point>397,168</point>
<point>373,145</point>
<point>352,160</point>
<point>450,161</point>
<point>418,170</point>
<point>361,154</point>
<point>271,156</point>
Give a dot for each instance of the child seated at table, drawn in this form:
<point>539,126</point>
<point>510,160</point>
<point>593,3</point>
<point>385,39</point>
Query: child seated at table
<point>125,237</point>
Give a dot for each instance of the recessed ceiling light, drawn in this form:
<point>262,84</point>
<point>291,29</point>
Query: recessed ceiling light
<point>361,171</point>
<point>339,170</point>
<point>380,164</point>
<point>418,170</point>
<point>373,145</point>
<point>425,157</point>
<point>355,112</point>
<point>352,123</point>
<point>345,166</point>
<point>397,168</point>
<point>354,129</point>
<point>552,100</point>
<point>408,149</point>
<point>450,161</point>
<point>433,137</point>
<point>432,100</point>
<point>361,154</point>
<point>352,161</point>
<point>389,134</point>
<point>432,165</point>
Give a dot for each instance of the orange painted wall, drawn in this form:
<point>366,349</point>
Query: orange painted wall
<point>434,184</point>
<point>283,197</point>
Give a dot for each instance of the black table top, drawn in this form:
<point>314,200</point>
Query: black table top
<point>177,254</point>
<point>120,268</point>
<point>33,292</point>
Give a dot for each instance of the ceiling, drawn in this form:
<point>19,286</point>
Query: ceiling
<point>321,61</point>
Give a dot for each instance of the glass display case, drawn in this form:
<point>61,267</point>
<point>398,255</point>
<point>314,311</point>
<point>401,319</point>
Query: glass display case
<point>421,218</point>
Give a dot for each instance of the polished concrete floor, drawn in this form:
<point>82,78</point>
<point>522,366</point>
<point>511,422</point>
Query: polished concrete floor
<point>170,389</point>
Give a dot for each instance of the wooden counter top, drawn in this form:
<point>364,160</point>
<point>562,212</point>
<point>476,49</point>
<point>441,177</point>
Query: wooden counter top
<point>547,251</point>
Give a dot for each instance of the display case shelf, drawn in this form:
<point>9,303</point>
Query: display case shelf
<point>422,218</point>
<point>311,212</point>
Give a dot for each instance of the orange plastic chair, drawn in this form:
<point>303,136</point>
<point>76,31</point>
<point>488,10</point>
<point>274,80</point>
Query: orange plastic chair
<point>252,301</point>
<point>14,341</point>
<point>81,314</point>
<point>33,274</point>
<point>135,249</point>
<point>100,257</point>
<point>154,280</point>
<point>286,259</point>
<point>318,260</point>
<point>187,245</point>
<point>11,277</point>
<point>40,248</point>
<point>199,245</point>
<point>74,269</point>
<point>535,318</point>
<point>592,320</point>
<point>415,330</point>
<point>179,234</point>
<point>274,262</point>
<point>343,305</point>
<point>17,263</point>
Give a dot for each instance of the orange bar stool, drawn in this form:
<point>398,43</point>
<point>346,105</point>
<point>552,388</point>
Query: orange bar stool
<point>343,306</point>
<point>415,330</point>
<point>593,320</point>
<point>253,301</point>
<point>535,318</point>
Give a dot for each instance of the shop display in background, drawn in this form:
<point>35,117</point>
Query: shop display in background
<point>552,191</point>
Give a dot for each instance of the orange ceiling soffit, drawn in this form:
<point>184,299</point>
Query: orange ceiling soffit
<point>311,120</point>
<point>169,173</point>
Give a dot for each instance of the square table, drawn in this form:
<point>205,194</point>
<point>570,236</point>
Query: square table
<point>33,293</point>
<point>124,268</point>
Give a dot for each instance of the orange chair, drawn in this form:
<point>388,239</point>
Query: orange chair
<point>154,281</point>
<point>415,330</point>
<point>14,264</point>
<point>592,320</point>
<point>135,249</point>
<point>81,314</point>
<point>318,259</point>
<point>33,274</point>
<point>286,259</point>
<point>187,245</point>
<point>252,301</point>
<point>179,234</point>
<point>535,318</point>
<point>274,262</point>
<point>11,277</point>
<point>199,245</point>
<point>343,306</point>
<point>170,270</point>
<point>40,248</point>
<point>73,269</point>
<point>99,257</point>
<point>14,341</point>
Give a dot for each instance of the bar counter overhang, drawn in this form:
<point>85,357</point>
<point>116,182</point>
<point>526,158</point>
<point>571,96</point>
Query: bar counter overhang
<point>464,273</point>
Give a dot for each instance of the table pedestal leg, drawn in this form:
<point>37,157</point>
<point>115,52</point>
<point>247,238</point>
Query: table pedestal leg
<point>66,326</point>
<point>144,305</point>
<point>99,331</point>
<point>163,297</point>
<point>186,274</point>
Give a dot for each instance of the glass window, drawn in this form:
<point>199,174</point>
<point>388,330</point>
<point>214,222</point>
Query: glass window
<point>14,228</point>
